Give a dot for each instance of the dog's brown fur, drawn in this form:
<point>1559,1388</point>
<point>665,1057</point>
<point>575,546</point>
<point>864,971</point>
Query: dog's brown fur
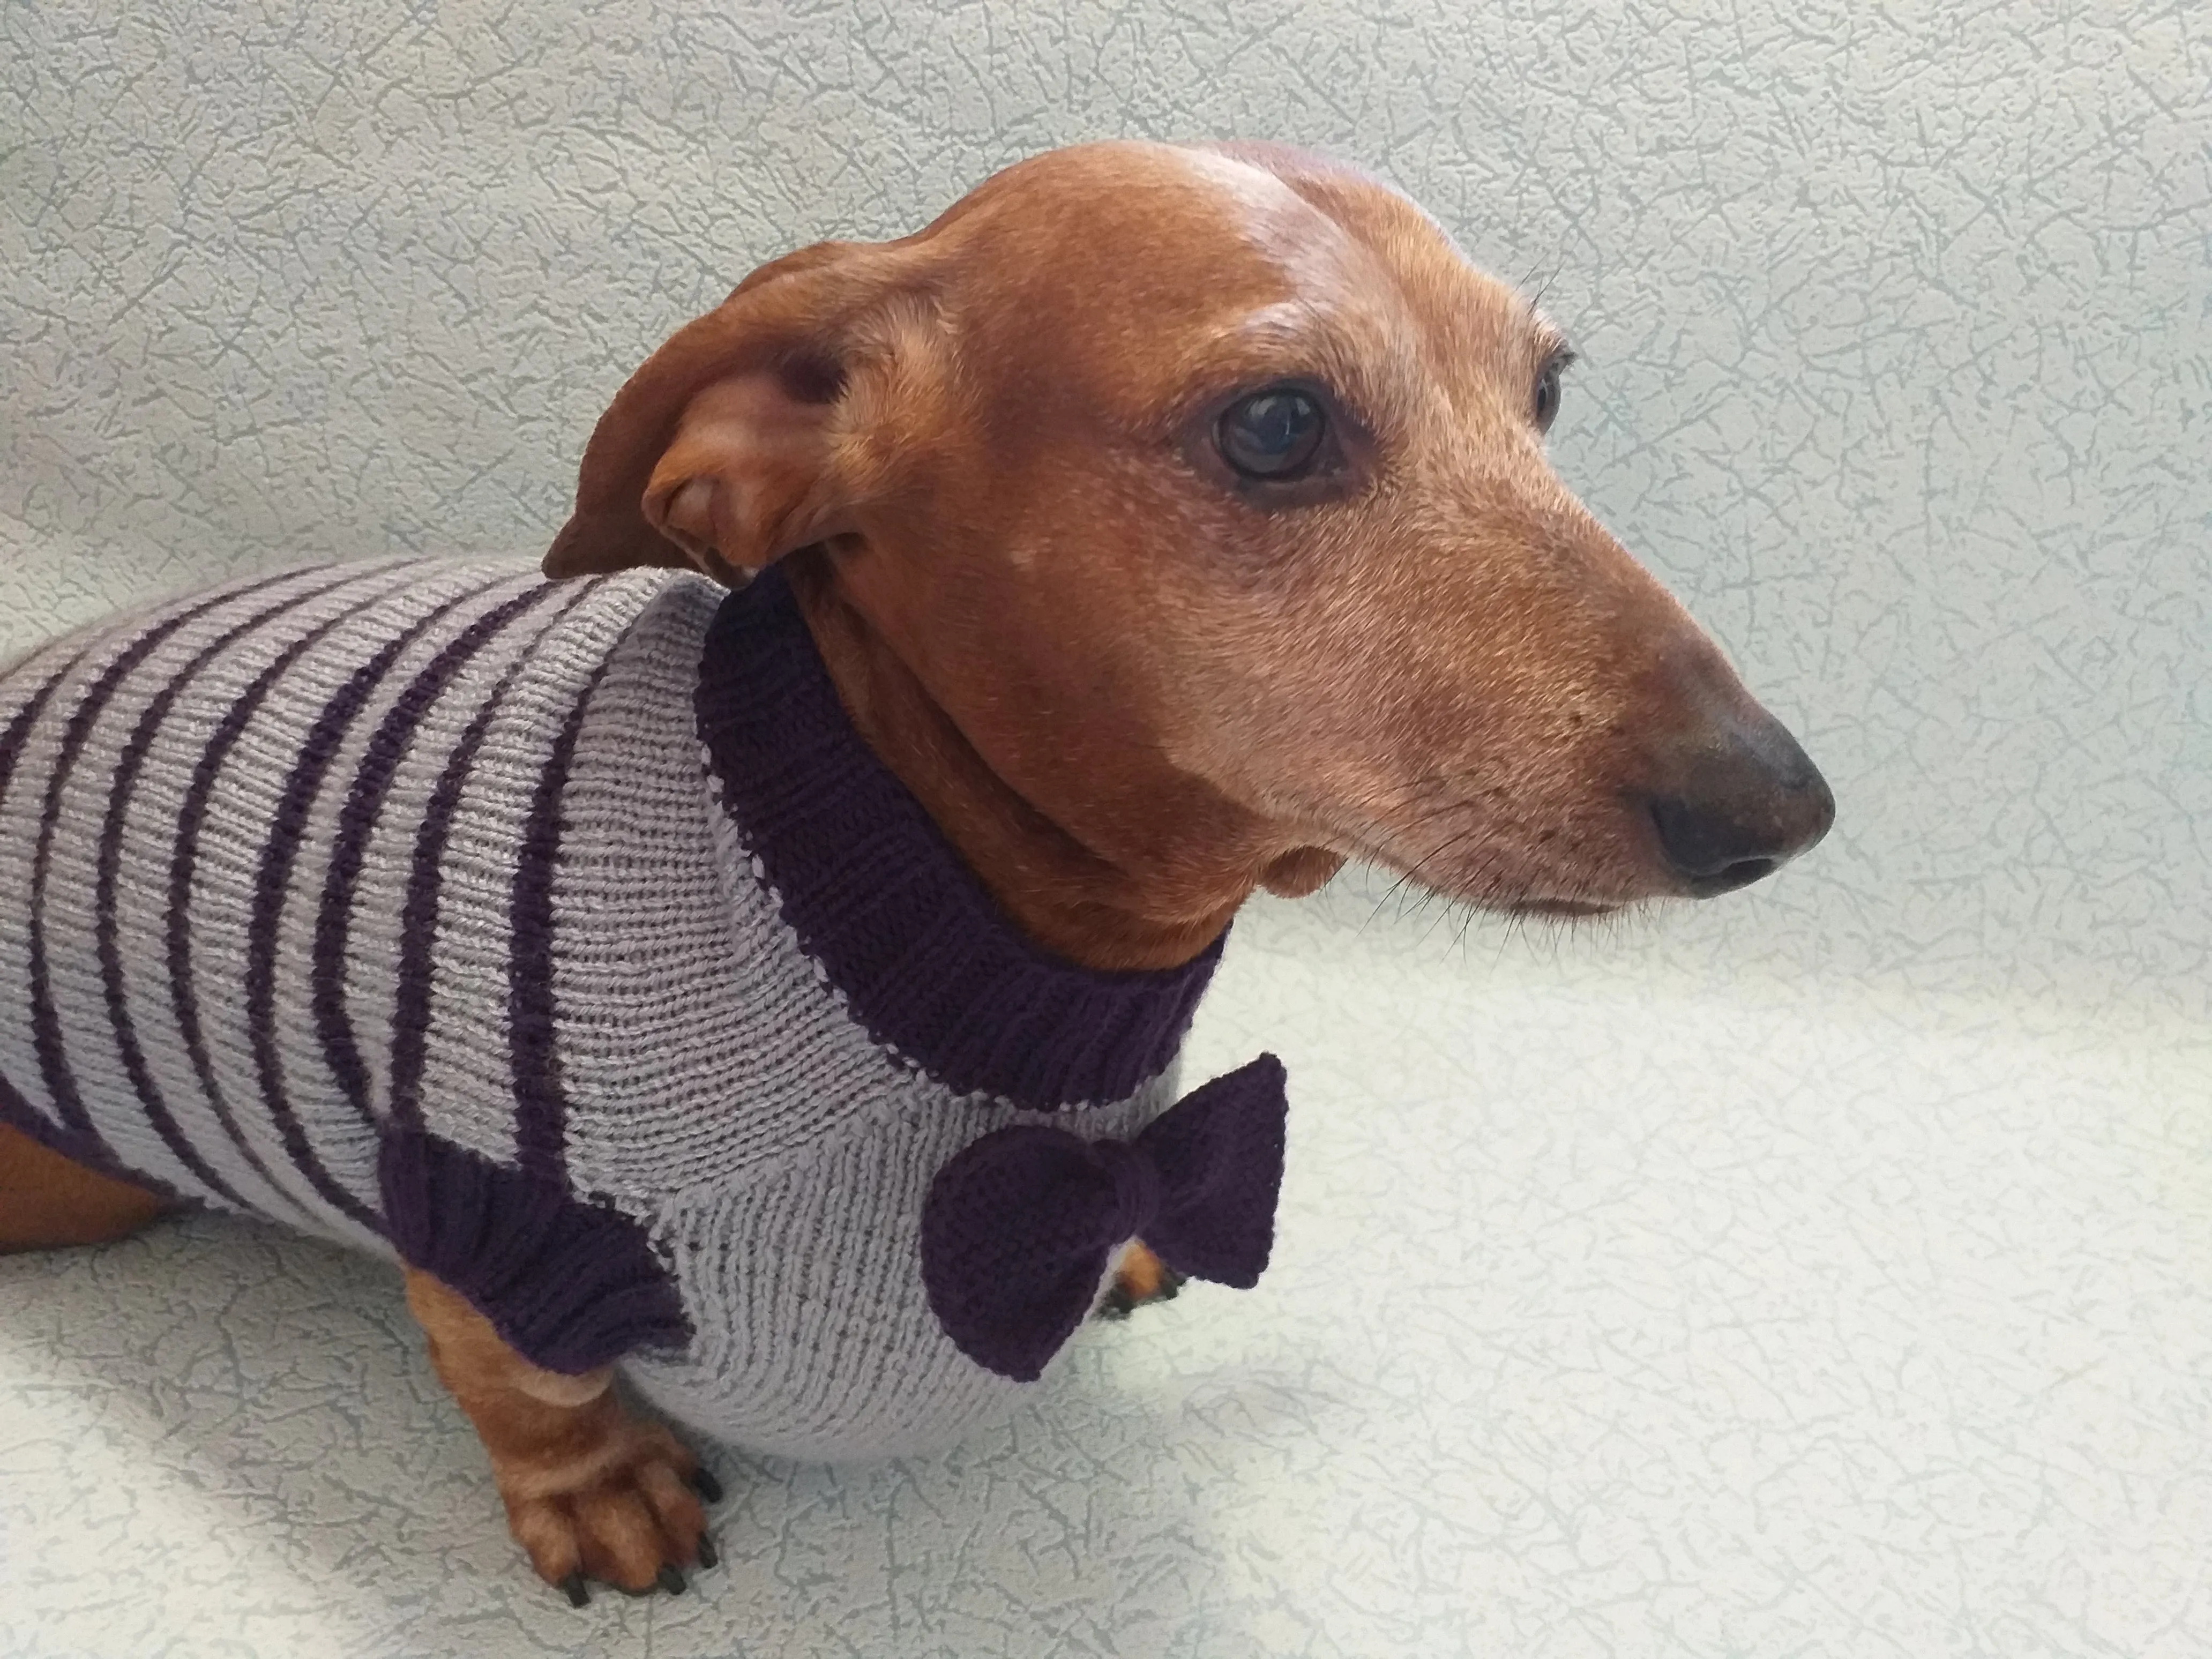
<point>1128,688</point>
<point>589,1490</point>
<point>46,1201</point>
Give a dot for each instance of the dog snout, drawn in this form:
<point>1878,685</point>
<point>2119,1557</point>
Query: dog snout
<point>1743,799</point>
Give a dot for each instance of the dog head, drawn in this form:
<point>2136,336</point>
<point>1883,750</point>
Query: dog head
<point>1204,489</point>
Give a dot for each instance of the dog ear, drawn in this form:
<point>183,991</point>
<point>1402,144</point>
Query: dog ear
<point>741,439</point>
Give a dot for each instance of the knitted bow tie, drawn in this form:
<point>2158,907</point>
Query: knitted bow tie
<point>1018,1228</point>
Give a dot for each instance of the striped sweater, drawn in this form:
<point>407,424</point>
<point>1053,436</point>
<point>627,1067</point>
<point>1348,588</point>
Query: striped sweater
<point>567,942</point>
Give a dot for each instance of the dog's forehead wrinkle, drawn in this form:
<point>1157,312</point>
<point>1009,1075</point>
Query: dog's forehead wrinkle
<point>1356,354</point>
<point>1285,334</point>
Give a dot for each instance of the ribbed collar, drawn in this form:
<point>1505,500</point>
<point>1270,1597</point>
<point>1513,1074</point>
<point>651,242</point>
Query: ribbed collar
<point>928,962</point>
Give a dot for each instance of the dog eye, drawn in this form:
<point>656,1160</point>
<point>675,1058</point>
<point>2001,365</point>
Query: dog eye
<point>1271,436</point>
<point>1544,406</point>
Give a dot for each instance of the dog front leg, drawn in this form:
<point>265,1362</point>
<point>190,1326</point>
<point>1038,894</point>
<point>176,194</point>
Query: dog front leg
<point>591,1491</point>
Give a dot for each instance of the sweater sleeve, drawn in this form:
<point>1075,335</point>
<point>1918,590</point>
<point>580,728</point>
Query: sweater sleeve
<point>569,1285</point>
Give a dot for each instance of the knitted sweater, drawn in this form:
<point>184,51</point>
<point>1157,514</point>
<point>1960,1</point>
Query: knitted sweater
<point>567,942</point>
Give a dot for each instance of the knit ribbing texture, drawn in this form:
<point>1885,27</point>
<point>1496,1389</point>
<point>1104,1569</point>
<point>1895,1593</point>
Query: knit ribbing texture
<point>565,942</point>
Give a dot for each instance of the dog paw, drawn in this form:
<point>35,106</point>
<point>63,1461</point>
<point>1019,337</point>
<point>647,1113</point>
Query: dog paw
<point>1139,1277</point>
<point>629,1513</point>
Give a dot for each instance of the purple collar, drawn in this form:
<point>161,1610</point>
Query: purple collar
<point>928,963</point>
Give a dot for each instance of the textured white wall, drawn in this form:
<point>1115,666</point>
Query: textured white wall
<point>1896,326</point>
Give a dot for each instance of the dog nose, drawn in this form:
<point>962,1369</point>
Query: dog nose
<point>1746,804</point>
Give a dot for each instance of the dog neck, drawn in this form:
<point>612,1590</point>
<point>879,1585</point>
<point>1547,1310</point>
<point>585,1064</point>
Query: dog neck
<point>1066,896</point>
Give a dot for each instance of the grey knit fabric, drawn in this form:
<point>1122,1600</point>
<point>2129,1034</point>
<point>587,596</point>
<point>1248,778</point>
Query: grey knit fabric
<point>272,865</point>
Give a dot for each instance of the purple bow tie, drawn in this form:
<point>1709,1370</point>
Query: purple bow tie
<point>1018,1228</point>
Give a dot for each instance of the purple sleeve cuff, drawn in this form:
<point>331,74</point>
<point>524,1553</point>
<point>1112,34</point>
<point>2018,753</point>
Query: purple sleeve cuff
<point>568,1284</point>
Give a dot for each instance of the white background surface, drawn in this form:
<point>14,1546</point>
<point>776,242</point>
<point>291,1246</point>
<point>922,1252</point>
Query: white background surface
<point>1819,1271</point>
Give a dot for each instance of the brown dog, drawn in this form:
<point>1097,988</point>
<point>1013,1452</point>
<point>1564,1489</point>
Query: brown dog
<point>1173,522</point>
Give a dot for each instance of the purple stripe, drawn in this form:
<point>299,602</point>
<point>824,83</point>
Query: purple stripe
<point>372,782</point>
<point>318,751</point>
<point>13,1109</point>
<point>19,729</point>
<point>183,994</point>
<point>541,1109</point>
<point>46,1018</point>
<point>135,751</point>
<point>418,930</point>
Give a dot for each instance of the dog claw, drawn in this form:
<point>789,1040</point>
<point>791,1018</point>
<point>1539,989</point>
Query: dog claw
<point>706,1486</point>
<point>1140,1278</point>
<point>573,1588</point>
<point>671,1580</point>
<point>709,1555</point>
